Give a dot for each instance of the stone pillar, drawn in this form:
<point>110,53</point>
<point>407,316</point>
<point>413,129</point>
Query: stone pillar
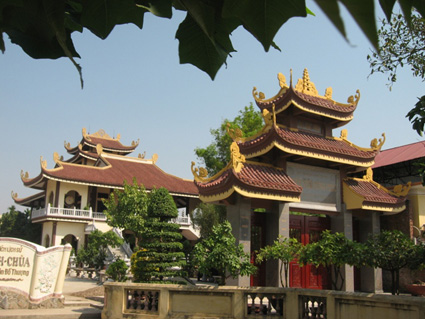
<point>346,221</point>
<point>277,224</point>
<point>371,278</point>
<point>53,240</point>
<point>239,216</point>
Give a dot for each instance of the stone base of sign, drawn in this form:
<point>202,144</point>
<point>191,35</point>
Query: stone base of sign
<point>14,300</point>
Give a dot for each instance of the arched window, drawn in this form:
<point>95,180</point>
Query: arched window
<point>72,199</point>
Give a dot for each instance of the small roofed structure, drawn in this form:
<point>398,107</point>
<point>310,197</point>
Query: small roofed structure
<point>297,172</point>
<point>72,192</point>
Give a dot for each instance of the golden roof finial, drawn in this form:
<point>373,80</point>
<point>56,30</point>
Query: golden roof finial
<point>282,80</point>
<point>154,158</point>
<point>56,157</point>
<point>133,143</point>
<point>236,157</point>
<point>198,174</point>
<point>290,81</point>
<point>24,176</point>
<point>85,132</point>
<point>42,162</point>
<point>235,134</point>
<point>377,146</point>
<point>354,100</point>
<point>305,86</point>
<point>118,137</point>
<point>14,195</point>
<point>142,156</point>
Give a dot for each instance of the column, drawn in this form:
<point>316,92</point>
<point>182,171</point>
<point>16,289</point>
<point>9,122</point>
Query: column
<point>239,216</point>
<point>53,241</point>
<point>371,278</point>
<point>277,224</point>
<point>344,223</point>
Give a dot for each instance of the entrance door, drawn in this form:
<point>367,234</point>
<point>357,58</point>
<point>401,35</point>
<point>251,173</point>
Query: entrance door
<point>258,240</point>
<point>307,229</point>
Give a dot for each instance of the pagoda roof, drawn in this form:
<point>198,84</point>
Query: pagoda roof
<point>305,97</point>
<point>364,193</point>
<point>305,144</point>
<point>26,201</point>
<point>112,171</point>
<point>108,143</point>
<point>249,179</point>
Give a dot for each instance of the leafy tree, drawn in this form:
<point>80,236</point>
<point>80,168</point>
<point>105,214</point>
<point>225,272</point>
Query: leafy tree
<point>206,216</point>
<point>94,253</point>
<point>216,155</point>
<point>283,249</point>
<point>161,252</point>
<point>390,250</point>
<point>43,28</point>
<point>332,251</point>
<point>14,223</point>
<point>401,45</point>
<point>219,252</point>
<point>127,208</point>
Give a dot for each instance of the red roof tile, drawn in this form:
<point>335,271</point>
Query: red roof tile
<point>372,193</point>
<point>107,143</point>
<point>302,141</point>
<point>117,172</point>
<point>316,104</point>
<point>254,178</point>
<point>400,154</point>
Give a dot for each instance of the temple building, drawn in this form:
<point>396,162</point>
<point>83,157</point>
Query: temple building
<point>293,178</point>
<point>69,203</point>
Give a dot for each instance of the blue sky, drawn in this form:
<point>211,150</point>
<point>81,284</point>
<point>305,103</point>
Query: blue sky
<point>135,86</point>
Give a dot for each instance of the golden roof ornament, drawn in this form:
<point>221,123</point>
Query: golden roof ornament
<point>402,190</point>
<point>24,176</point>
<point>99,149</point>
<point>142,156</point>
<point>43,163</point>
<point>56,157</point>
<point>282,81</point>
<point>235,134</point>
<point>305,86</point>
<point>133,143</point>
<point>85,133</point>
<point>14,195</point>
<point>67,145</point>
<point>369,175</point>
<point>236,158</point>
<point>118,137</point>
<point>154,158</point>
<point>377,146</point>
<point>199,174</point>
<point>328,93</point>
<point>354,100</point>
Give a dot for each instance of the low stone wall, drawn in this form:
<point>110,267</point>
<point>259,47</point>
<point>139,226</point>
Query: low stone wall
<point>129,300</point>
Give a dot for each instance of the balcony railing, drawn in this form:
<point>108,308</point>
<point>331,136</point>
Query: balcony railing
<point>72,213</point>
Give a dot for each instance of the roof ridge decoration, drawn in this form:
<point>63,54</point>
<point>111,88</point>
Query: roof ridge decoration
<point>236,162</point>
<point>305,86</point>
<point>57,158</point>
<point>24,176</point>
<point>375,144</point>
<point>14,195</point>
<point>269,118</point>
<point>43,163</point>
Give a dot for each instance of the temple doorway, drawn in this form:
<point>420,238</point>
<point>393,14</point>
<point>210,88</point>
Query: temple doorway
<point>307,229</point>
<point>258,241</point>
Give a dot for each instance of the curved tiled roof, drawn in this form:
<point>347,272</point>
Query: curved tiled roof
<point>310,145</point>
<point>108,144</point>
<point>372,193</point>
<point>307,102</point>
<point>115,171</point>
<point>255,180</point>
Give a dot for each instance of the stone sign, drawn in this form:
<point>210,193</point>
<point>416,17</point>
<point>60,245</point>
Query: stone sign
<point>31,275</point>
